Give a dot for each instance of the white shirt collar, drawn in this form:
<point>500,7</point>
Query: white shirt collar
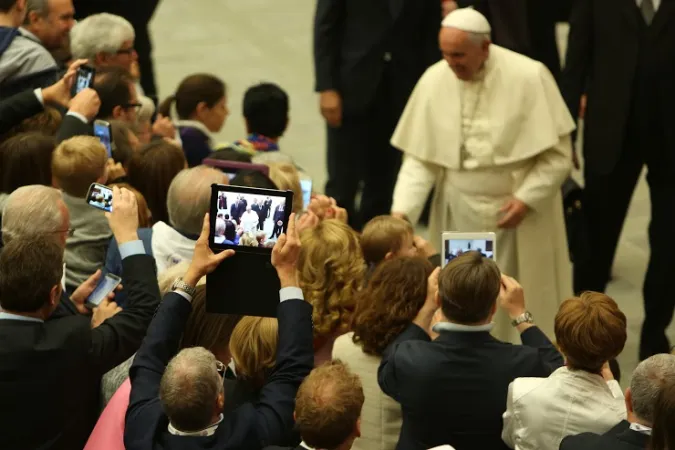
<point>303,445</point>
<point>195,124</point>
<point>641,429</point>
<point>8,316</point>
<point>209,431</point>
<point>448,326</point>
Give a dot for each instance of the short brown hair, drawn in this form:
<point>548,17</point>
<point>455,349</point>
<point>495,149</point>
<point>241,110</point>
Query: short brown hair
<point>469,286</point>
<point>26,159</point>
<point>46,122</point>
<point>390,302</point>
<point>382,235</point>
<point>29,269</point>
<point>77,163</point>
<point>328,405</point>
<point>590,330</point>
<point>253,347</point>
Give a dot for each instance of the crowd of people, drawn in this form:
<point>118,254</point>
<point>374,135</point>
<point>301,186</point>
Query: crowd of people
<point>374,346</point>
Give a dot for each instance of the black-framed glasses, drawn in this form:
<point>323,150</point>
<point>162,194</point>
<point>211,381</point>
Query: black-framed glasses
<point>126,51</point>
<point>136,106</point>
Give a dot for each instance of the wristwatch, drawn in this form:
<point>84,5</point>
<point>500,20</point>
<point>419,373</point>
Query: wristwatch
<point>181,285</point>
<point>525,317</point>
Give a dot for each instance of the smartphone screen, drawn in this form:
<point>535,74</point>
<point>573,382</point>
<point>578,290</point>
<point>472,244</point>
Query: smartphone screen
<point>103,132</point>
<point>100,197</point>
<point>457,247</point>
<point>105,286</point>
<point>306,186</point>
<point>83,79</point>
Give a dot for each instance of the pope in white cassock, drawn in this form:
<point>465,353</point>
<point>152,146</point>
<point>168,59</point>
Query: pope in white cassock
<point>488,129</point>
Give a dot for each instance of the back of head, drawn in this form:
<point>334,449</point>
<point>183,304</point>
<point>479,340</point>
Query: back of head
<point>328,406</point>
<point>190,388</point>
<point>77,163</point>
<point>663,433</point>
<point>32,212</point>
<point>253,178</point>
<point>648,380</point>
<point>469,287</point>
<point>383,234</point>
<point>151,171</point>
<point>389,303</point>
<point>189,197</point>
<point>266,110</point>
<point>193,90</point>
<point>30,269</point>
<point>46,122</point>
<point>122,151</point>
<point>253,347</point>
<point>331,271</point>
<point>590,330</point>
<point>99,33</point>
<point>286,177</point>
<point>113,86</point>
<point>26,159</point>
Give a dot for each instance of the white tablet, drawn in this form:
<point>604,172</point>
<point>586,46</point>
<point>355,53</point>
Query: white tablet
<point>455,244</point>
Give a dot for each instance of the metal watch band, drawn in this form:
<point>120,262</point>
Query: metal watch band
<point>525,317</point>
<point>183,286</point>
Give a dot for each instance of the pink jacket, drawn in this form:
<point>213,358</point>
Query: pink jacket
<point>108,433</point>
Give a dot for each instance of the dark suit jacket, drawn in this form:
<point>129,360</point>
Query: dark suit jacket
<point>251,425</point>
<point>72,126</point>
<point>453,390</point>
<point>15,109</point>
<point>351,38</point>
<point>603,56</point>
<point>50,373</point>
<point>621,437</point>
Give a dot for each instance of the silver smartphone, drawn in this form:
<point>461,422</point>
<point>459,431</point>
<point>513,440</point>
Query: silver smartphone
<point>105,286</point>
<point>100,196</point>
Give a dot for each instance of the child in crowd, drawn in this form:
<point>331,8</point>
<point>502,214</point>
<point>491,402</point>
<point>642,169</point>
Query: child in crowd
<point>76,164</point>
<point>386,237</point>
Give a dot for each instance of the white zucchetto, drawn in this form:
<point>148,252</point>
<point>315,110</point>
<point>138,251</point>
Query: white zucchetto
<point>467,19</point>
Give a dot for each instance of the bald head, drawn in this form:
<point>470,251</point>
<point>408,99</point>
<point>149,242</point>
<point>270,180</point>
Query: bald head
<point>189,197</point>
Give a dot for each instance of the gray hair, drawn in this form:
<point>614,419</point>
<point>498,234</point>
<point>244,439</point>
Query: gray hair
<point>100,33</point>
<point>189,389</point>
<point>32,211</point>
<point>39,6</point>
<point>648,379</point>
<point>147,109</point>
<point>479,38</point>
<point>189,197</point>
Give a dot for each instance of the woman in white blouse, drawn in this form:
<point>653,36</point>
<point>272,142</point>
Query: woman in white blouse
<point>384,309</point>
<point>581,397</point>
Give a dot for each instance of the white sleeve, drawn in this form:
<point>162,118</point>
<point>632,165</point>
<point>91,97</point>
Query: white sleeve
<point>415,180</point>
<point>509,420</point>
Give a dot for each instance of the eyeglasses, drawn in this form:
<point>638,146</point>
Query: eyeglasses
<point>126,51</point>
<point>136,106</point>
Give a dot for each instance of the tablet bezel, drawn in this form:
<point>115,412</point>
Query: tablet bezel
<point>460,236</point>
<point>213,212</point>
<point>236,165</point>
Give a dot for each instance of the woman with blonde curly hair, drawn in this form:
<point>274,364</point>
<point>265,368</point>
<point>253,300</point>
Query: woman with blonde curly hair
<point>331,271</point>
<point>384,309</point>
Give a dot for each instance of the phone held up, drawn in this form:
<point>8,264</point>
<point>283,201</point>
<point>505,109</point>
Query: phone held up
<point>103,132</point>
<point>100,196</point>
<point>83,79</point>
<point>105,286</point>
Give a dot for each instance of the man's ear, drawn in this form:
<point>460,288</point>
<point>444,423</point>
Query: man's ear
<point>101,59</point>
<point>33,17</point>
<point>220,401</point>
<point>629,400</point>
<point>388,256</point>
<point>357,428</point>
<point>55,295</point>
<point>118,112</point>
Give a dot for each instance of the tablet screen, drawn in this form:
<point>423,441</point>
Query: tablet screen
<point>457,247</point>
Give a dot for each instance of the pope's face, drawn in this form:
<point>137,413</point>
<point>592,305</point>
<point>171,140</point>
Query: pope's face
<point>463,54</point>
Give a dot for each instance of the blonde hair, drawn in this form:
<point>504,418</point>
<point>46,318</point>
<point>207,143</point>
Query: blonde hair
<point>248,240</point>
<point>331,270</point>
<point>287,178</point>
<point>383,234</point>
<point>77,163</point>
<point>253,347</point>
<point>166,278</point>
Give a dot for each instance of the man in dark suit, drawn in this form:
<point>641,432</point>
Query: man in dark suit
<point>39,358</point>
<point>622,53</point>
<point>632,434</point>
<point>176,400</point>
<point>257,208</point>
<point>368,57</point>
<point>328,408</point>
<point>222,202</point>
<point>453,390</point>
<point>278,220</point>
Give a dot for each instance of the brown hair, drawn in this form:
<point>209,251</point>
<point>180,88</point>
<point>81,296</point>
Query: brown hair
<point>144,215</point>
<point>205,329</point>
<point>77,163</point>
<point>46,122</point>
<point>328,405</point>
<point>590,330</point>
<point>390,302</point>
<point>192,91</point>
<point>468,287</point>
<point>286,177</point>
<point>113,85</point>
<point>29,269</point>
<point>151,171</point>
<point>331,271</point>
<point>122,152</point>
<point>26,159</point>
<point>253,347</point>
<point>663,432</point>
<point>384,234</point>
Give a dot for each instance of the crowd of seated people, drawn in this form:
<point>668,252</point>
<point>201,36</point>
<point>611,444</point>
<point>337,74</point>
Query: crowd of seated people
<point>374,346</point>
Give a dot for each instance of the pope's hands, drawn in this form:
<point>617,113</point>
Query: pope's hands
<point>514,211</point>
<point>330,104</point>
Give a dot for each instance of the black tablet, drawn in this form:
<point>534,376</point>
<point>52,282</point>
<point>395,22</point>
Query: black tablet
<point>248,220</point>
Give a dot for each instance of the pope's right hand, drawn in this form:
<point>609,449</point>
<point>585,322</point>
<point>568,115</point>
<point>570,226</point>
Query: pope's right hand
<point>330,104</point>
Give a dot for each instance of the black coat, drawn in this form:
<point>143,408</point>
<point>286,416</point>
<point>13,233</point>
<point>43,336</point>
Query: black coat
<point>38,363</point>
<point>621,437</point>
<point>453,390</point>
<point>604,56</point>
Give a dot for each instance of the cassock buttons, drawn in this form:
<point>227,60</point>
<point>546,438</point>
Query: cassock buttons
<point>387,56</point>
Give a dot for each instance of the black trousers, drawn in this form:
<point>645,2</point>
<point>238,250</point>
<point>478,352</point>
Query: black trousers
<point>606,201</point>
<point>359,155</point>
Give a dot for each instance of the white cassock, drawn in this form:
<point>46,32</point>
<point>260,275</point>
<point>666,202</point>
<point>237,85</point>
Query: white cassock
<point>249,221</point>
<point>480,143</point>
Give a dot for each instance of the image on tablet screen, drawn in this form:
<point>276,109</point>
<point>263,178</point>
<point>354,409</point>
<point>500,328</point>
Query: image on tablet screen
<point>457,247</point>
